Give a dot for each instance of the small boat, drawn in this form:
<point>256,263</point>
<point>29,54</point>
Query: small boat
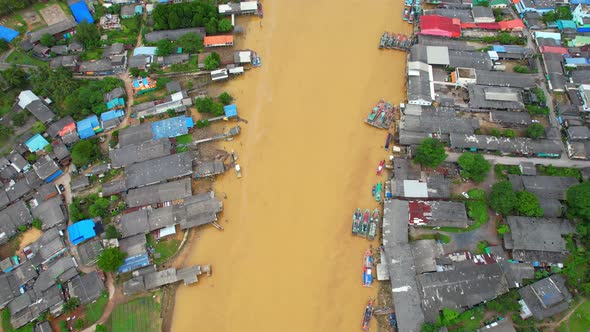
<point>380,167</point>
<point>383,39</point>
<point>238,170</point>
<point>388,141</point>
<point>405,14</point>
<point>356,221</point>
<point>378,192</point>
<point>256,60</point>
<point>373,225</point>
<point>392,320</point>
<point>368,268</point>
<point>367,315</point>
<point>365,223</point>
<point>374,190</point>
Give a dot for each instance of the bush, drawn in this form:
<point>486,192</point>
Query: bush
<point>477,194</point>
<point>19,118</point>
<point>71,304</point>
<point>481,247</point>
<point>509,133</point>
<point>39,127</point>
<point>85,152</point>
<point>537,110</point>
<point>37,223</point>
<point>522,70</point>
<point>212,61</point>
<point>225,98</point>
<point>478,211</point>
<point>134,71</point>
<point>535,130</point>
<point>79,324</point>
<point>112,232</point>
<point>503,229</point>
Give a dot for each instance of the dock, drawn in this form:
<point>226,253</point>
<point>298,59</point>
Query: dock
<point>234,131</point>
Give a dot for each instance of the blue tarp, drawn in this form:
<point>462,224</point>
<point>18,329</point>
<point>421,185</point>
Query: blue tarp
<point>81,231</point>
<point>7,33</point>
<point>138,10</point>
<point>81,12</point>
<point>189,122</point>
<point>106,116</point>
<point>583,29</point>
<point>86,127</point>
<point>499,48</point>
<point>36,143</point>
<point>577,61</point>
<point>145,50</point>
<point>230,110</point>
<point>54,176</point>
<point>115,103</point>
<point>170,127</point>
<point>134,263</point>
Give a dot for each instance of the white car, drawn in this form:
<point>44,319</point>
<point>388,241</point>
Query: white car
<point>465,194</point>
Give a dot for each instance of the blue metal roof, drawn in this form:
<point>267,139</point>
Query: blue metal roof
<point>566,24</point>
<point>499,48</point>
<point>81,231</point>
<point>577,61</point>
<point>170,127</point>
<point>114,103</point>
<point>145,50</point>
<point>138,10</point>
<point>106,116</point>
<point>54,176</point>
<point>134,263</point>
<point>230,110</point>
<point>87,127</point>
<point>7,33</point>
<point>81,12</point>
<point>36,143</point>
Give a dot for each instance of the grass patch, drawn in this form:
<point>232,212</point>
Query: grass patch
<point>180,149</point>
<point>190,66</point>
<point>166,248</point>
<point>577,321</point>
<point>94,310</point>
<point>502,171</point>
<point>21,58</point>
<point>18,23</point>
<point>478,211</point>
<point>184,139</point>
<point>436,236</point>
<point>142,314</point>
<point>477,194</point>
<point>128,33</point>
<point>559,171</point>
<point>88,55</point>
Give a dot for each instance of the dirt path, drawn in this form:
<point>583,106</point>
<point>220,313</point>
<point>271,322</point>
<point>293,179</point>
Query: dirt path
<point>115,297</point>
<point>565,318</point>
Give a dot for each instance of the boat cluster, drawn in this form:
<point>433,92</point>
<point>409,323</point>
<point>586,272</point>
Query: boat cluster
<point>381,115</point>
<point>365,225</point>
<point>395,41</point>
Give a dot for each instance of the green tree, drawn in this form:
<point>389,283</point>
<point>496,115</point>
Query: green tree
<point>71,304</point>
<point>535,130</point>
<point>165,47</point>
<point>495,132</point>
<point>19,118</point>
<point>32,158</point>
<point>4,46</point>
<point>111,259</point>
<point>100,328</point>
<point>76,212</point>
<point>528,204</point>
<point>190,42</point>
<point>57,83</point>
<point>5,132</point>
<point>509,133</point>
<point>212,61</point>
<point>481,247</point>
<point>448,316</point>
<point>211,26</point>
<point>85,151</point>
<point>15,77</point>
<point>99,207</point>
<point>224,25</point>
<point>112,232</point>
<point>502,198</point>
<point>88,35</point>
<point>474,166</point>
<point>578,201</point>
<point>39,127</point>
<point>225,98</point>
<point>47,40</point>
<point>503,229</point>
<point>79,324</point>
<point>37,223</point>
<point>430,153</point>
<point>134,71</point>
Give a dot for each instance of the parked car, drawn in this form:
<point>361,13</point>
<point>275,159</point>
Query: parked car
<point>61,188</point>
<point>465,194</point>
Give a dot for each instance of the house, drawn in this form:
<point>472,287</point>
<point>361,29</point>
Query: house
<point>81,231</point>
<point>534,20</point>
<point>88,287</point>
<point>59,49</point>
<point>499,4</point>
<point>50,213</point>
<point>436,25</point>
<point>36,143</point>
<point>112,118</point>
<point>580,41</point>
<point>17,161</point>
<point>116,93</point>
<point>172,127</point>
<point>491,97</point>
<point>135,134</point>
<point>543,186</point>
<point>45,192</point>
<point>581,12</point>
<point>76,47</point>
<point>511,25</point>
<point>143,85</point>
<point>11,218</point>
<point>110,22</point>
<point>127,11</point>
<point>483,14</point>
<point>517,145</point>
<point>79,183</point>
<point>241,8</point>
<point>70,62</point>
<point>218,41</point>
<point>539,6</point>
<point>61,153</point>
<point>538,240</point>
<point>60,271</point>
<point>498,326</point>
<point>47,169</point>
<point>211,168</point>
<point>29,101</point>
<point>438,214</point>
<point>527,168</point>
<point>177,102</point>
<point>114,187</point>
<point>173,86</point>
<point>173,59</point>
<point>88,127</point>
<point>511,80</point>
<point>81,12</point>
<point>131,154</point>
<point>578,133</point>
<point>158,170</point>
<point>156,279</point>
<point>544,298</point>
<point>96,67</point>
<point>139,61</point>
<point>578,149</point>
<point>58,30</point>
<point>159,193</point>
<point>511,119</point>
<point>89,251</point>
<point>172,35</point>
<point>61,127</point>
<point>136,249</point>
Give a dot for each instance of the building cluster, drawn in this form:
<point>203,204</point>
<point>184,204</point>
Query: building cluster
<point>425,278</point>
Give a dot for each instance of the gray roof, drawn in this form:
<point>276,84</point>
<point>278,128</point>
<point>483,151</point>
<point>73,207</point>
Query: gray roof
<point>134,245</point>
<point>546,297</point>
<point>24,273</point>
<point>155,36</point>
<point>510,118</point>
<point>87,288</point>
<point>95,66</point>
<point>158,170</point>
<point>452,44</point>
<point>59,49</point>
<point>136,153</point>
<point>99,169</point>
<point>64,61</point>
<point>173,86</point>
<point>408,137</point>
<point>127,10</point>
<point>528,168</point>
<point>463,14</point>
<point>500,326</point>
<point>209,168</point>
<point>9,288</point>
<point>164,217</point>
<point>48,277</point>
<point>160,278</point>
<point>476,60</point>
<point>538,234</point>
<point>138,61</point>
<point>466,285</point>
<point>578,133</point>
<point>135,134</point>
<point>447,213</point>
<point>418,88</point>
<point>17,160</point>
<point>49,245</point>
<point>134,223</point>
<point>114,187</point>
<point>40,111</point>
<point>4,200</point>
<point>113,94</point>
<point>433,122</point>
<point>43,327</point>
<point>60,151</point>
<point>553,62</point>
<point>173,59</point>
<point>19,189</point>
<point>506,145</point>
<point>89,251</point>
<point>45,167</point>
<point>53,29</point>
<point>481,11</point>
<point>425,252</point>
<point>80,182</point>
<point>50,212</point>
<point>12,217</point>
<point>200,210</point>
<point>159,193</point>
<point>71,137</point>
<point>552,208</point>
<point>492,97</point>
<point>580,76</point>
<point>543,186</point>
<point>21,302</point>
<point>500,78</point>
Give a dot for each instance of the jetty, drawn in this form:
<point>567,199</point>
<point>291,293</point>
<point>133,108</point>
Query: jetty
<point>149,279</point>
<point>395,41</point>
<point>234,131</point>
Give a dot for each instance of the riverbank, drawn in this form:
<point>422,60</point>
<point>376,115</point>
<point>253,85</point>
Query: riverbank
<point>286,259</point>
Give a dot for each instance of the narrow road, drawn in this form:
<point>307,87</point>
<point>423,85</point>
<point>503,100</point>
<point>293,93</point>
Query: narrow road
<point>561,162</point>
<point>113,301</point>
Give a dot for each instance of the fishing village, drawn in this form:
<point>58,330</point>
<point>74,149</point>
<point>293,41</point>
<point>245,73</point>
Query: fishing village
<point>164,166</point>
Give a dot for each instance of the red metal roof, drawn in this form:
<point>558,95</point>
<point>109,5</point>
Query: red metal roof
<point>553,49</point>
<point>511,24</point>
<point>489,26</point>
<point>419,212</point>
<point>67,129</point>
<point>468,25</point>
<point>218,40</point>
<point>439,26</point>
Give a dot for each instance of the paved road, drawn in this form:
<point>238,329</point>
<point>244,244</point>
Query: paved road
<point>562,162</point>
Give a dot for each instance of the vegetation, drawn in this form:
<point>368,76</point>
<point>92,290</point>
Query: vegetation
<point>212,61</point>
<point>203,123</point>
<point>477,194</point>
<point>47,40</point>
<point>22,58</point>
<point>184,139</point>
<point>502,198</point>
<point>528,204</point>
<point>88,35</point>
<point>87,99</point>
<point>111,259</point>
<point>481,247</point>
<point>87,207</point>
<point>79,324</point>
<point>19,118</point>
<point>94,310</point>
<point>522,69</point>
<point>535,130</point>
<point>434,236</point>
<point>225,98</point>
<point>112,232</point>
<point>57,83</point>
<point>187,15</point>
<point>474,166</point>
<point>99,207</point>
<point>501,171</point>
<point>165,248</point>
<point>498,14</point>
<point>5,132</point>
<point>142,314</point>
<point>561,13</point>
<point>504,38</point>
<point>165,47</point>
<point>208,105</point>
<point>559,171</point>
<point>224,25</point>
<point>190,43</point>
<point>430,153</point>
<point>85,152</point>
<point>36,223</point>
<point>39,127</point>
<point>509,133</point>
<point>478,211</point>
<point>580,319</point>
<point>71,304</point>
<point>503,229</point>
<point>15,77</point>
<point>542,99</point>
<point>537,110</point>
<point>578,201</point>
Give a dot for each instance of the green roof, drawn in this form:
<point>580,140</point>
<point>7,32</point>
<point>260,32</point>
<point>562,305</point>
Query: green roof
<point>581,41</point>
<point>566,24</point>
<point>497,2</point>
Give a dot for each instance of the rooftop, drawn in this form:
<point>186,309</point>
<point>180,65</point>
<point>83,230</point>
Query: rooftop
<point>81,231</point>
<point>546,297</point>
<point>543,186</point>
<point>158,170</point>
<point>135,134</point>
<point>172,35</point>
<point>159,193</point>
<point>133,153</point>
<point>87,287</point>
<point>538,234</point>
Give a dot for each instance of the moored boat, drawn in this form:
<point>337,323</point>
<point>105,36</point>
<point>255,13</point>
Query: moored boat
<point>365,223</point>
<point>383,39</point>
<point>368,268</point>
<point>356,221</point>
<point>378,192</point>
<point>373,225</point>
<point>405,13</point>
<point>380,167</point>
<point>367,315</point>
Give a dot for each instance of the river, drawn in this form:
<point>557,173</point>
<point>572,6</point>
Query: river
<point>286,260</point>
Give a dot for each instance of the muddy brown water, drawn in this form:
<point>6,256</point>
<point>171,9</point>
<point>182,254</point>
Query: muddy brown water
<point>286,260</point>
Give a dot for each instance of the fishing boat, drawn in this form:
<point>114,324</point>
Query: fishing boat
<point>376,111</point>
<point>256,60</point>
<point>365,223</point>
<point>387,141</point>
<point>380,167</point>
<point>374,190</point>
<point>383,39</point>
<point>405,14</point>
<point>392,320</point>
<point>373,225</point>
<point>367,315</point>
<point>378,192</point>
<point>368,268</point>
<point>238,170</point>
<point>356,221</point>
